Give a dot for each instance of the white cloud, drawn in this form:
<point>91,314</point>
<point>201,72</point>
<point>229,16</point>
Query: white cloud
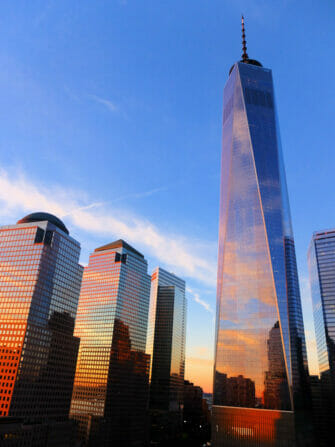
<point>187,257</point>
<point>106,102</point>
<point>197,299</point>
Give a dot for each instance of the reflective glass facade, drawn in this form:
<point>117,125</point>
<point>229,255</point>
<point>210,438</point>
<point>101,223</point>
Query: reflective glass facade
<point>261,360</point>
<point>110,395</point>
<point>166,340</point>
<point>39,290</point>
<point>321,261</point>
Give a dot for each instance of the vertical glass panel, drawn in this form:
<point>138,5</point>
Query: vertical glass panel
<point>110,393</point>
<point>168,355</point>
<point>320,260</point>
<point>262,128</point>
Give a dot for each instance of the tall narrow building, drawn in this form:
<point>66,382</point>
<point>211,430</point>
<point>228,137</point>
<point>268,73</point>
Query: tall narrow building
<point>40,281</point>
<point>166,340</point>
<point>111,389</point>
<point>321,262</point>
<point>260,376</point>
<point>166,346</point>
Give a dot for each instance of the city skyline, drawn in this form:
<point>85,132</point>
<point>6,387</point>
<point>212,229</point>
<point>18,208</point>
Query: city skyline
<point>63,144</point>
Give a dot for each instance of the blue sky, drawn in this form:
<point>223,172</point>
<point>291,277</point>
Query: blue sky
<point>111,118</point>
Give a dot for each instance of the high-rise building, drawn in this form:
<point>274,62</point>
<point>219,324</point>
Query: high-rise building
<point>166,346</point>
<point>193,405</point>
<point>260,341</point>
<point>166,340</point>
<point>196,415</point>
<point>321,261</point>
<point>321,412</point>
<point>39,290</point>
<point>110,394</point>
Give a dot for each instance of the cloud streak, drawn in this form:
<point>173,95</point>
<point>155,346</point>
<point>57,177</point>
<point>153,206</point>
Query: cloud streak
<point>187,257</point>
<point>196,297</point>
<point>139,195</point>
<point>110,105</point>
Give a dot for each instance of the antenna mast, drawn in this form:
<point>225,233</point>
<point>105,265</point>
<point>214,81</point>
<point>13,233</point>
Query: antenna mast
<point>245,56</point>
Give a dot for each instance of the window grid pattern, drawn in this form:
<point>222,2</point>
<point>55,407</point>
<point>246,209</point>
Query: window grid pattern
<point>110,393</point>
<point>39,290</point>
<point>321,262</point>
<point>166,340</point>
<point>260,359</point>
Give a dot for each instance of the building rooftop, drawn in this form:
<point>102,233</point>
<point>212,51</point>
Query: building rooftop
<point>117,244</point>
<point>324,233</point>
<point>40,217</point>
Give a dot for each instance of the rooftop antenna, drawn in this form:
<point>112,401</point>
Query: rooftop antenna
<point>245,56</point>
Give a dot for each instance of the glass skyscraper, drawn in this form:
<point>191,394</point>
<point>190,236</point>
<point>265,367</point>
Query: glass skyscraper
<point>166,347</point>
<point>260,377</point>
<point>111,389</point>
<point>40,281</point>
<point>166,340</point>
<point>321,262</point>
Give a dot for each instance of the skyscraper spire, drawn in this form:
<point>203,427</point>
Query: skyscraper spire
<point>245,56</point>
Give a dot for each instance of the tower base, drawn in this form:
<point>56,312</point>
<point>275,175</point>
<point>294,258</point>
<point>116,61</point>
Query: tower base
<point>252,427</point>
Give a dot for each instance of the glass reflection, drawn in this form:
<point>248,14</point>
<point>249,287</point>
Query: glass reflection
<point>321,260</point>
<point>258,347</point>
<point>39,289</point>
<point>166,340</point>
<point>110,393</point>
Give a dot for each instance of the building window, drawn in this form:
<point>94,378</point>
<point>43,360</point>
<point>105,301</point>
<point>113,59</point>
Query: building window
<point>258,97</point>
<point>39,236</point>
<point>48,237</point>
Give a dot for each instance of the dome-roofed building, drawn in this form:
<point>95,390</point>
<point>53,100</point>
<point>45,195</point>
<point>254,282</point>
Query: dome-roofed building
<point>41,216</point>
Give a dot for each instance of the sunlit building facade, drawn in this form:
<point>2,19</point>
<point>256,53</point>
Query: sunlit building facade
<point>166,340</point>
<point>40,281</point>
<point>110,395</point>
<point>166,347</point>
<point>321,262</point>
<point>260,376</point>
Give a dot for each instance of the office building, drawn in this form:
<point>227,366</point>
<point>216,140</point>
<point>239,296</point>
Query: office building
<point>321,262</point>
<point>39,290</point>
<point>321,419</point>
<point>166,340</point>
<point>110,395</point>
<point>196,415</point>
<point>166,346</point>
<point>261,394</point>
<point>193,405</point>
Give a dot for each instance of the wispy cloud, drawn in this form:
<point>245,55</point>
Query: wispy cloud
<point>139,195</point>
<point>83,208</point>
<point>187,257</point>
<point>196,297</point>
<point>112,106</point>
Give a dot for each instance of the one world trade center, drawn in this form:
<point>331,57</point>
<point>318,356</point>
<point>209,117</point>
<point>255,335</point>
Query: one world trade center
<point>261,395</point>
